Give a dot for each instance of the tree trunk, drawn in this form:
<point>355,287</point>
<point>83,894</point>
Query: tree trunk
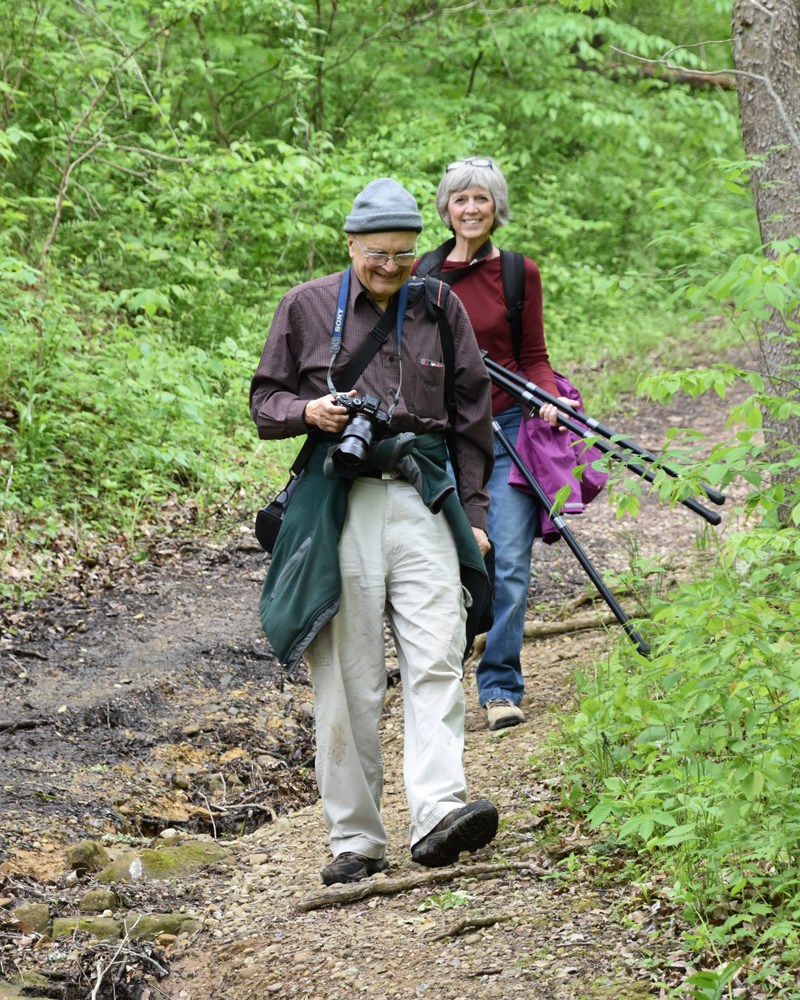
<point>766,47</point>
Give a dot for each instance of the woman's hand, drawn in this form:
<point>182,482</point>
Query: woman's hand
<point>327,414</point>
<point>549,412</point>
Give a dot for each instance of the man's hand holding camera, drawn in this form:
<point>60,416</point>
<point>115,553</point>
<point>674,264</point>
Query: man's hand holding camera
<point>327,414</point>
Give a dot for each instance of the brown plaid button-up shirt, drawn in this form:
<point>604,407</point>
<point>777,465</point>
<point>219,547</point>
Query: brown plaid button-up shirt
<point>294,365</point>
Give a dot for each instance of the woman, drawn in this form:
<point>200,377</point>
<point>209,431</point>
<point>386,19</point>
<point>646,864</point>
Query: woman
<point>472,200</point>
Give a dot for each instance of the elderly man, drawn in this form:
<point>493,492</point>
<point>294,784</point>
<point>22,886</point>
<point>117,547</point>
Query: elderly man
<point>375,526</point>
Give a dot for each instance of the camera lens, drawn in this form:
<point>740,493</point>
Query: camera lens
<point>350,456</point>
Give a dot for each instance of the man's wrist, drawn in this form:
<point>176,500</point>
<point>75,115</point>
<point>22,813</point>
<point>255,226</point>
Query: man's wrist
<point>477,517</point>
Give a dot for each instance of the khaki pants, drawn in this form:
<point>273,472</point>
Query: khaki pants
<point>394,555</point>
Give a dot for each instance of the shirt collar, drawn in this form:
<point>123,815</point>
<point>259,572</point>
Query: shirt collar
<point>359,293</point>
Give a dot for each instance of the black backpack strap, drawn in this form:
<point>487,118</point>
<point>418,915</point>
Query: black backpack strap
<point>303,455</point>
<point>512,269</point>
<point>436,295</point>
<point>431,262</point>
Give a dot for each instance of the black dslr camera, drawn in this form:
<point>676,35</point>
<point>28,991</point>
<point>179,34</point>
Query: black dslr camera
<point>367,422</point>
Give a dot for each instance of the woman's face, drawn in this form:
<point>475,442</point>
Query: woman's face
<point>471,213</point>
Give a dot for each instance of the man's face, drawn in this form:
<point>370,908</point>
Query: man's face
<point>381,278</point>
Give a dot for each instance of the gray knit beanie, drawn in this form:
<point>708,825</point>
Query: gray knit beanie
<point>384,206</point>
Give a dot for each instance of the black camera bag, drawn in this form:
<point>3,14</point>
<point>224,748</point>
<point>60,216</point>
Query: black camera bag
<point>270,518</point>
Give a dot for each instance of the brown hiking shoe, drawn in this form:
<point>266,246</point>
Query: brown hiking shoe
<point>351,867</point>
<point>502,713</point>
<point>466,829</point>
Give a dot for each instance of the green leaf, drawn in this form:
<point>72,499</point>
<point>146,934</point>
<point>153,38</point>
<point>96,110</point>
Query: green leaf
<point>753,784</point>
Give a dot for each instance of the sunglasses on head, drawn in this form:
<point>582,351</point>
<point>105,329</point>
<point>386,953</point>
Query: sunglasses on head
<point>474,161</point>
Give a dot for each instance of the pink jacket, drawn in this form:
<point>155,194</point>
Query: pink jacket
<point>552,456</point>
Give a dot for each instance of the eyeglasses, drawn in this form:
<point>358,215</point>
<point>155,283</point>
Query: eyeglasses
<point>404,259</point>
<point>475,161</point>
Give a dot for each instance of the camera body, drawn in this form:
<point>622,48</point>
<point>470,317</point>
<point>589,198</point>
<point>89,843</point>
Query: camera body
<point>367,422</point>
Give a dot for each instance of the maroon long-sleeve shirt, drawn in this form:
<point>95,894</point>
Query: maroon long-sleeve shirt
<point>481,291</point>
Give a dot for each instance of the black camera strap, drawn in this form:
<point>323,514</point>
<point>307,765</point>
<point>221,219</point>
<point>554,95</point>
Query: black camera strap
<point>512,272</point>
<point>375,339</point>
<point>431,262</point>
<point>436,293</point>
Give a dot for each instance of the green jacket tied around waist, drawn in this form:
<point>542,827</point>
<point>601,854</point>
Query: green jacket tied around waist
<point>303,586</point>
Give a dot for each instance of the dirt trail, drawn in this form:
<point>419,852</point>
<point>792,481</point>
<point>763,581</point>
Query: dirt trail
<point>157,704</point>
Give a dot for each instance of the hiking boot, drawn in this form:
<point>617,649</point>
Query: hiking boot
<point>502,713</point>
<point>466,829</point>
<point>350,867</point>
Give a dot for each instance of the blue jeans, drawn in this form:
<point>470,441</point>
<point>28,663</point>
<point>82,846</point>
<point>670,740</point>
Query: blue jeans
<point>512,528</point>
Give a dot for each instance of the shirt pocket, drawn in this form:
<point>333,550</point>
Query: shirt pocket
<point>430,389</point>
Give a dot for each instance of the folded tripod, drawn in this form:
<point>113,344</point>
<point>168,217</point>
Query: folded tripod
<point>532,397</point>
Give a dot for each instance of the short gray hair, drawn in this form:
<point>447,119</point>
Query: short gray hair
<point>463,174</point>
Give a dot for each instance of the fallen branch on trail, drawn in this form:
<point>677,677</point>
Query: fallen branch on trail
<point>536,629</point>
<point>569,607</point>
<point>470,923</point>
<point>8,726</point>
<point>533,629</point>
<point>351,892</point>
<point>31,654</point>
<point>587,597</point>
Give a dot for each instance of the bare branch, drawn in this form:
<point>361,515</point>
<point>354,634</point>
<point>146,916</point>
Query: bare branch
<point>223,136</point>
<point>389,27</point>
<point>693,78</point>
<point>99,968</point>
<point>503,59</point>
<point>473,71</point>
<point>131,54</point>
<point>69,166</point>
<point>127,170</point>
<point>765,80</point>
<point>10,727</point>
<point>695,45</point>
<point>537,629</point>
<point>8,97</point>
<point>348,893</point>
<point>136,149</point>
<point>211,814</point>
<point>249,79</point>
<point>94,205</point>
<point>470,923</point>
<point>253,114</point>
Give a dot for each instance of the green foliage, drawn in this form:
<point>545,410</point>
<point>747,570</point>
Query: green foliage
<point>688,755</point>
<point>104,427</point>
<point>169,169</point>
<point>708,985</point>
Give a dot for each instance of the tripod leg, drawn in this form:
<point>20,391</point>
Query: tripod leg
<point>573,544</point>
